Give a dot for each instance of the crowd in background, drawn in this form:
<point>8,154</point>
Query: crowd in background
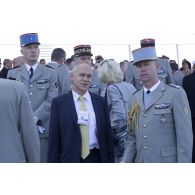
<point>54,89</point>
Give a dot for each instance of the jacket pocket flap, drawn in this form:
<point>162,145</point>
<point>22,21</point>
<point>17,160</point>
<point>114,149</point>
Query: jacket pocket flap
<point>168,151</point>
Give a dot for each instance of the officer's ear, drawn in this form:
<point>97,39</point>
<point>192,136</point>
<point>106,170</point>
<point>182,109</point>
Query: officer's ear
<point>157,66</point>
<point>21,51</point>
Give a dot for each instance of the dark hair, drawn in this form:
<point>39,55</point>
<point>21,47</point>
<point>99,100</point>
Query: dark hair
<point>57,53</point>
<point>174,66</point>
<point>187,62</point>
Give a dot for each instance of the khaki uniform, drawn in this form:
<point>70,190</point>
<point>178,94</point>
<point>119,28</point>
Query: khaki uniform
<point>161,132</point>
<point>42,88</point>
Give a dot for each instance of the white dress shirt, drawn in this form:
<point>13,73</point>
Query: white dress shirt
<point>28,67</point>
<point>93,143</point>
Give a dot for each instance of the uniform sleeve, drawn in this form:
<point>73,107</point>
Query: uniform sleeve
<point>183,127</point>
<point>28,130</point>
<point>130,147</point>
<point>129,74</point>
<point>169,79</point>
<point>117,112</point>
<point>43,111</point>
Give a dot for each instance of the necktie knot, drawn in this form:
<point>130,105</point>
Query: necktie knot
<point>31,72</point>
<point>148,91</point>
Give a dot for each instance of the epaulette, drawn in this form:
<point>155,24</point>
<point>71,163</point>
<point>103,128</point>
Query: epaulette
<point>175,86</point>
<point>135,91</point>
<point>49,66</point>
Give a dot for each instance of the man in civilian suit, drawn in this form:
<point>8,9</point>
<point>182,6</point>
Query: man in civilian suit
<point>66,140</point>
<point>188,85</point>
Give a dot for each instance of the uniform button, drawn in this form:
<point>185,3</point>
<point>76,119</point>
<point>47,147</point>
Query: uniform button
<point>31,85</point>
<point>30,93</point>
<point>43,87</point>
<point>144,126</point>
<point>145,136</point>
<point>145,147</point>
<point>145,115</point>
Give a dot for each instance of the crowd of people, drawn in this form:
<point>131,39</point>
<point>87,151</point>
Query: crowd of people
<point>74,110</point>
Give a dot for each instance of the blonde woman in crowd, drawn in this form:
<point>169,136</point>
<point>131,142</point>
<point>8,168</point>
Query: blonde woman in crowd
<point>117,94</point>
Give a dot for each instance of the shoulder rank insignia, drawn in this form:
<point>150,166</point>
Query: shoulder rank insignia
<point>175,86</point>
<point>133,117</point>
<point>49,66</point>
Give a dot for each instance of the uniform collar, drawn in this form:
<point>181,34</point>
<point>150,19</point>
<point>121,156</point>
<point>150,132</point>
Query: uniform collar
<point>152,88</point>
<point>34,67</point>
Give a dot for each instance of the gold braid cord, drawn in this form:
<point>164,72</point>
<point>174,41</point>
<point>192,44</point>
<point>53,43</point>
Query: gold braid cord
<point>133,118</point>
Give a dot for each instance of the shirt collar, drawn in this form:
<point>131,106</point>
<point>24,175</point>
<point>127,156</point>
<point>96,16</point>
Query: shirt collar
<point>34,67</point>
<point>152,88</point>
<point>76,96</point>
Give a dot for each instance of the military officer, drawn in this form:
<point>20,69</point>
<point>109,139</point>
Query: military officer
<point>19,140</point>
<point>159,117</point>
<point>41,83</point>
<point>164,71</point>
<point>58,58</point>
<point>82,54</point>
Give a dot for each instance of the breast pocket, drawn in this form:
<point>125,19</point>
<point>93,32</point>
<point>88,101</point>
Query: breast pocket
<point>43,86</point>
<point>164,117</point>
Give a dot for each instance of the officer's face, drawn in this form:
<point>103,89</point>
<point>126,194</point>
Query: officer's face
<point>147,70</point>
<point>31,53</point>
<point>83,59</point>
<point>81,77</point>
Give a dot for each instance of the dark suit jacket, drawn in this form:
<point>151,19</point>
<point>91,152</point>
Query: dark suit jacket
<point>64,132</point>
<point>188,85</point>
<point>3,73</point>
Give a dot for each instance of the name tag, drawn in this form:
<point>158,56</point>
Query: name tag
<point>83,118</point>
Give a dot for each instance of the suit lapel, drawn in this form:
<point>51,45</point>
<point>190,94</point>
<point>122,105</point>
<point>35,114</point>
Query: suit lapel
<point>38,72</point>
<point>70,106</point>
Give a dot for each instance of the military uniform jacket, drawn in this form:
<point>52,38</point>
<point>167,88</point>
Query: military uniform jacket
<point>19,140</point>
<point>42,88</point>
<point>64,83</point>
<point>163,131</point>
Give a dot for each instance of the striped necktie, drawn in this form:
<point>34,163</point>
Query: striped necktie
<point>84,132</point>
